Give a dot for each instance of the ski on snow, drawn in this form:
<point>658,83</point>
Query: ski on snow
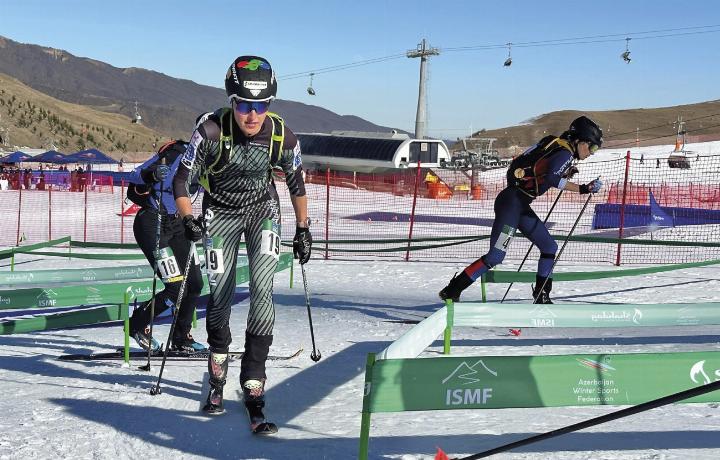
<point>172,355</point>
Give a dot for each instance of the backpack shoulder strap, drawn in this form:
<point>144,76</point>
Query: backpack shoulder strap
<point>277,138</point>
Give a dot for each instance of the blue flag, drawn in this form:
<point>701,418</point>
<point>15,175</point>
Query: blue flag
<point>658,217</point>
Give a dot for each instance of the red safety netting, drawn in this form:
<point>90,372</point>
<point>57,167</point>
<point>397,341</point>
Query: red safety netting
<point>357,212</point>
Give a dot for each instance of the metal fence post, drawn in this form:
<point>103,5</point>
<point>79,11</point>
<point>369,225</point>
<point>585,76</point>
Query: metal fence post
<point>622,207</point>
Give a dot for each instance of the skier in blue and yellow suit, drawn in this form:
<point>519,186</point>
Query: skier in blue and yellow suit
<point>529,176</point>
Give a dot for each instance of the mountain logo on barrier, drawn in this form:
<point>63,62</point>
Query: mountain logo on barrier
<point>466,374</point>
<point>597,365</point>
<point>88,275</point>
<point>47,298</point>
<point>698,370</point>
<point>4,300</point>
<point>542,316</point>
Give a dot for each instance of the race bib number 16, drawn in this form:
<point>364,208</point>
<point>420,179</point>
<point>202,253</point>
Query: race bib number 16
<point>167,265</point>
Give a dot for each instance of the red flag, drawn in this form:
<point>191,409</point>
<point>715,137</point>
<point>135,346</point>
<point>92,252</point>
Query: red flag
<point>441,455</point>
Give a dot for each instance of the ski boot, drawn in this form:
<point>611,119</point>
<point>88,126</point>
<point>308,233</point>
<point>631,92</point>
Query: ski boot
<point>456,285</point>
<point>140,328</point>
<point>544,295</point>
<point>187,344</point>
<point>217,368</point>
<point>145,341</point>
<point>254,399</point>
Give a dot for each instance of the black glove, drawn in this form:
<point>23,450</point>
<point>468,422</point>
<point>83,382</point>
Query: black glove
<point>593,186</point>
<point>193,227</point>
<point>302,244</point>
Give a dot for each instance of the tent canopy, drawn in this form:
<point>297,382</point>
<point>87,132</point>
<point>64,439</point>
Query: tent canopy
<point>51,156</point>
<point>93,156</point>
<point>15,157</point>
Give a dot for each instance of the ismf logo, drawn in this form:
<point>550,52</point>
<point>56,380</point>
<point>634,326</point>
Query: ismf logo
<point>253,64</point>
<point>464,375</point>
<point>597,365</point>
<point>47,298</point>
<point>542,316</point>
<point>698,374</point>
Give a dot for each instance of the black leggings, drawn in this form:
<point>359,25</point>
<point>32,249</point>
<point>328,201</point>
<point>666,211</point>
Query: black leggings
<point>172,235</point>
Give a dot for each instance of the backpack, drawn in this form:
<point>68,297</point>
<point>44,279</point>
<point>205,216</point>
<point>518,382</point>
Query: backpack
<point>522,170</point>
<point>223,117</point>
<point>140,193</point>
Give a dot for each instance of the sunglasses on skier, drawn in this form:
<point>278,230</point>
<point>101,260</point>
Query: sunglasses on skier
<point>592,147</point>
<point>245,107</point>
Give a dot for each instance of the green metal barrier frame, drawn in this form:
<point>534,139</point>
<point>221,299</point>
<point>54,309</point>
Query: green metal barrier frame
<point>118,296</point>
<point>498,382</point>
<point>396,385</point>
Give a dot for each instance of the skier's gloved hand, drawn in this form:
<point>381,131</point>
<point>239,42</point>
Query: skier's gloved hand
<point>593,186</point>
<point>302,244</point>
<point>160,172</point>
<point>193,227</point>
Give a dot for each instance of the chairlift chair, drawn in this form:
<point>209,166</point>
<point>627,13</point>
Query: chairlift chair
<point>626,54</point>
<point>310,89</point>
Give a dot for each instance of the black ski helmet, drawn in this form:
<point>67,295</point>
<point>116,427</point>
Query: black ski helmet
<point>250,78</point>
<point>585,130</point>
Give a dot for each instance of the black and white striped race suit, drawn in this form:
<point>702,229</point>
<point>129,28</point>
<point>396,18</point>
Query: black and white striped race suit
<point>242,197</point>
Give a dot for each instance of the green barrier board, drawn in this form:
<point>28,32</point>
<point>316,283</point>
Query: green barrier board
<point>596,315</point>
<point>495,382</point>
<point>62,320</point>
<point>95,294</point>
<point>74,275</point>
<point>500,276</point>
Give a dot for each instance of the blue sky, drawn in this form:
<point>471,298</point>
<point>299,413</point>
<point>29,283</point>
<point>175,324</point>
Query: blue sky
<point>468,89</point>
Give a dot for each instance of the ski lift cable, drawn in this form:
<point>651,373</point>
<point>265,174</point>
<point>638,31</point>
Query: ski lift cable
<point>644,35</point>
<point>659,126</point>
<point>668,135</point>
<point>608,37</point>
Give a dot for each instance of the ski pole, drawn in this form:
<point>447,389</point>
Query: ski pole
<point>664,401</point>
<point>156,389</point>
<point>532,245</point>
<point>315,355</point>
<point>156,253</point>
<point>567,238</point>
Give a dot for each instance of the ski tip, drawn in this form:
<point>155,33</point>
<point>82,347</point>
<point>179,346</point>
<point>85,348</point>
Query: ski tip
<point>440,455</point>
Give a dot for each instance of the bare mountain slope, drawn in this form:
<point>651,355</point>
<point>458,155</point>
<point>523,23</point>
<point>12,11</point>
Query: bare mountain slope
<point>169,105</point>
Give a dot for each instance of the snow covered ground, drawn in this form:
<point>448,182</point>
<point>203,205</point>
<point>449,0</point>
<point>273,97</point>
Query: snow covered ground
<point>98,410</point>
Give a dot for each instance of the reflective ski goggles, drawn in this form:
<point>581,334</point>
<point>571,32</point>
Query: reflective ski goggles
<point>245,107</point>
<point>593,147</point>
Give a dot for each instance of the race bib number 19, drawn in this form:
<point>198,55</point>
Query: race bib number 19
<point>270,239</point>
<point>215,262</point>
